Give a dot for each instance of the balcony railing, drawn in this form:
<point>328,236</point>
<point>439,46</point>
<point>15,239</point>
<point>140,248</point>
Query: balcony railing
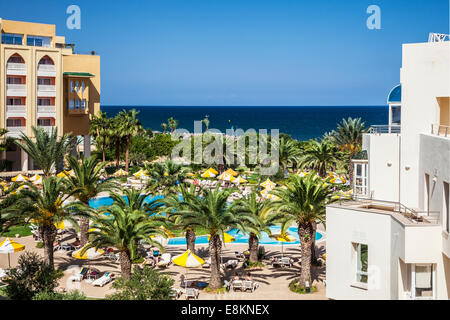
<point>48,70</point>
<point>379,129</point>
<point>15,131</point>
<point>46,109</point>
<point>45,90</point>
<point>17,90</point>
<point>16,68</point>
<point>47,128</point>
<point>440,130</point>
<point>16,108</point>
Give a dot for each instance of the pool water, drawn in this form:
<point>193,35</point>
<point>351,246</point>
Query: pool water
<point>243,238</point>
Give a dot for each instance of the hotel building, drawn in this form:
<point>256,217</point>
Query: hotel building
<point>392,241</point>
<point>43,83</point>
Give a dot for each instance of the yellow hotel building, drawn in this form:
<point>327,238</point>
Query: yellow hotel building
<point>44,84</point>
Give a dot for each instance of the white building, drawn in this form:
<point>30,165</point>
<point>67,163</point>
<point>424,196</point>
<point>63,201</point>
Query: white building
<point>392,241</point>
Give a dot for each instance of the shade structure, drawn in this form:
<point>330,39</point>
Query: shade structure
<point>213,171</point>
<point>232,172</point>
<point>239,180</point>
<point>70,173</point>
<point>62,174</point>
<point>302,174</point>
<point>337,180</point>
<point>226,237</point>
<point>35,178</point>
<point>38,182</point>
<point>120,172</point>
<point>90,253</point>
<point>225,177</point>
<point>208,174</point>
<point>188,260</point>
<point>284,237</point>
<point>268,184</point>
<point>60,226</point>
<point>19,178</point>
<point>332,175</point>
<point>10,246</point>
<point>166,231</point>
<point>140,174</point>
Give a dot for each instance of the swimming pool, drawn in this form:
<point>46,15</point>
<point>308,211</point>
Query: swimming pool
<point>243,238</point>
<point>107,201</point>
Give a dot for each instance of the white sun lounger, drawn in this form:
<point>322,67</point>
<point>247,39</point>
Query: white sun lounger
<point>250,285</point>
<point>106,278</point>
<point>166,259</point>
<point>192,293</point>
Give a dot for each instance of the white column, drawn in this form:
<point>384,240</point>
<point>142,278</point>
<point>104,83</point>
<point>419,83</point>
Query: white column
<point>87,146</point>
<point>24,160</point>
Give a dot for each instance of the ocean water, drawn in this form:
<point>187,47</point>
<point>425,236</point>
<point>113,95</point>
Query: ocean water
<point>302,123</point>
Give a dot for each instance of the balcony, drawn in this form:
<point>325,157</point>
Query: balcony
<point>16,90</point>
<point>46,111</point>
<point>440,130</point>
<point>47,128</point>
<point>16,69</point>
<point>16,111</point>
<point>78,111</point>
<point>385,129</point>
<point>15,132</point>
<point>44,90</point>
<point>46,70</point>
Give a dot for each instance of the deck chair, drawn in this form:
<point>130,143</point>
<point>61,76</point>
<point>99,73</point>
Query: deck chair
<point>192,293</point>
<point>166,259</point>
<point>250,285</point>
<point>207,263</point>
<point>79,276</point>
<point>237,284</point>
<point>286,261</point>
<point>106,278</point>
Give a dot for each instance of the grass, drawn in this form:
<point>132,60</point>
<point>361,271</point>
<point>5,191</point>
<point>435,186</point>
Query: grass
<point>218,291</point>
<point>22,231</point>
<point>254,265</point>
<point>295,287</point>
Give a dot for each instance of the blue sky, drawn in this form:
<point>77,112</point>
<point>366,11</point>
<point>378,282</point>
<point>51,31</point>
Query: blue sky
<point>242,52</point>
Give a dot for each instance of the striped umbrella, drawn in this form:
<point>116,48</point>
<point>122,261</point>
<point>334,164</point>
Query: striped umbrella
<point>285,237</point>
<point>90,253</point>
<point>19,178</point>
<point>10,246</point>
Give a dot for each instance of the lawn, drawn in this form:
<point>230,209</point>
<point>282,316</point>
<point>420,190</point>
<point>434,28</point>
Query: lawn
<point>22,231</point>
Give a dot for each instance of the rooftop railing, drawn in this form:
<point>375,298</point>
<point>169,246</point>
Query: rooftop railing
<point>440,130</point>
<point>438,37</point>
<point>379,129</point>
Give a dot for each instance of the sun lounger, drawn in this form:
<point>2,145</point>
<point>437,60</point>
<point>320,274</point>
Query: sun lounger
<point>282,262</point>
<point>231,264</point>
<point>106,278</point>
<point>166,259</point>
<point>78,277</point>
<point>237,284</point>
<point>207,263</point>
<point>175,293</point>
<point>191,293</point>
<point>3,273</point>
<point>239,255</point>
<point>250,285</point>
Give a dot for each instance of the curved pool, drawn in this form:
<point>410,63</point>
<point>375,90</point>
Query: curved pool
<point>243,238</point>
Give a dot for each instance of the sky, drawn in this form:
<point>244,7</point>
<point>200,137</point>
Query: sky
<point>242,52</point>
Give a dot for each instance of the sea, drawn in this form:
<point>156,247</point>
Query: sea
<point>302,123</point>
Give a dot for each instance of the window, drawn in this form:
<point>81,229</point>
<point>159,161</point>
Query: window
<point>71,104</point>
<point>10,38</point>
<point>37,41</point>
<point>360,180</point>
<point>44,102</point>
<point>83,104</point>
<point>427,193</point>
<point>82,87</point>
<point>14,102</point>
<point>14,80</point>
<point>77,87</point>
<point>46,60</point>
<point>396,112</point>
<point>15,59</point>
<point>77,104</point>
<point>446,209</point>
<point>362,262</point>
<point>44,122</point>
<point>71,86</point>
<point>14,122</point>
<point>44,81</point>
<point>422,281</point>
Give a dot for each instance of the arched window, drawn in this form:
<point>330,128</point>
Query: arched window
<point>15,58</point>
<point>46,60</point>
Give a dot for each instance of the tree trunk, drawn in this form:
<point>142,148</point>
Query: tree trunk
<point>313,245</point>
<point>127,154</point>
<point>48,235</point>
<point>117,153</point>
<point>305,233</point>
<point>253,245</point>
<point>103,153</point>
<point>215,245</point>
<point>84,227</point>
<point>350,169</point>
<point>125,264</point>
<point>190,240</point>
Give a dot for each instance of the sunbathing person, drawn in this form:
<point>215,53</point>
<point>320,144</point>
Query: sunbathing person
<point>76,243</point>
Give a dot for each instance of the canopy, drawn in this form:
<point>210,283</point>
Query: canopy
<point>38,181</point>
<point>188,260</point>
<point>268,184</point>
<point>337,180</point>
<point>231,172</point>
<point>90,253</point>
<point>239,180</point>
<point>120,172</point>
<point>35,177</point>
<point>225,177</point>
<point>141,173</point>
<point>60,225</point>
<point>10,246</point>
<point>213,171</point>
<point>19,178</point>
<point>62,174</point>
<point>70,173</point>
<point>284,237</point>
<point>227,238</point>
<point>208,174</point>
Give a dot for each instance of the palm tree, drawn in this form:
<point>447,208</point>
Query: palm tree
<point>173,124</point>
<point>288,152</point>
<point>116,131</point>
<point>131,126</point>
<point>85,185</point>
<point>164,127</point>
<point>100,129</point>
<point>319,156</point>
<point>211,212</point>
<point>263,220</point>
<point>165,176</point>
<point>348,136</point>
<point>45,208</point>
<point>206,122</point>
<point>46,149</point>
<point>130,222</point>
<point>303,201</point>
<point>173,203</point>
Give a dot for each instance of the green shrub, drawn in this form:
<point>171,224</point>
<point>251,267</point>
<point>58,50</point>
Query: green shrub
<point>253,265</point>
<point>22,231</point>
<point>145,284</point>
<point>218,291</point>
<point>40,245</point>
<point>295,286</point>
<point>33,275</point>
<point>138,260</point>
<point>71,295</point>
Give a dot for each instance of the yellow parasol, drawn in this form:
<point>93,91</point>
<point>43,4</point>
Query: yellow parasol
<point>19,178</point>
<point>232,172</point>
<point>213,171</point>
<point>10,246</point>
<point>268,184</point>
<point>188,260</point>
<point>284,237</point>
<point>239,180</point>
<point>90,253</point>
<point>120,172</point>
<point>226,237</point>
<point>225,177</point>
<point>208,174</point>
<point>141,173</point>
<point>60,226</point>
<point>302,174</point>
<point>35,178</point>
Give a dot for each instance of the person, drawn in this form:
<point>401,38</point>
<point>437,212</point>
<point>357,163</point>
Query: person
<point>76,243</point>
<point>236,277</point>
<point>249,277</point>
